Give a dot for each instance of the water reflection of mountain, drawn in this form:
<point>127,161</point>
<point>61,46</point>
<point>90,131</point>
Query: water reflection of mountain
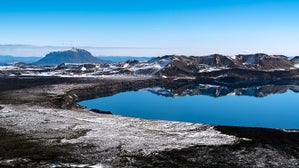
<point>218,91</point>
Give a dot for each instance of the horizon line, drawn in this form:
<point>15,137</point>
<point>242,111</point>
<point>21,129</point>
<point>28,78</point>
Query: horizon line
<point>51,48</point>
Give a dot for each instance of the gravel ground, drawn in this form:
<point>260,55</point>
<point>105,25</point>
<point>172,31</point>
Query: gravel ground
<point>40,126</point>
<point>105,137</point>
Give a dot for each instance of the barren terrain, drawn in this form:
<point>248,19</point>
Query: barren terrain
<point>42,126</point>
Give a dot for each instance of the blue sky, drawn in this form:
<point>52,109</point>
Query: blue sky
<point>150,27</point>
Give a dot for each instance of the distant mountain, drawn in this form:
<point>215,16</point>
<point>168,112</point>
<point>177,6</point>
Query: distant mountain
<point>70,56</point>
<point>6,59</point>
<point>118,59</point>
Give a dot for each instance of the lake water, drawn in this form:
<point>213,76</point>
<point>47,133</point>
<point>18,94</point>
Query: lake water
<point>272,111</point>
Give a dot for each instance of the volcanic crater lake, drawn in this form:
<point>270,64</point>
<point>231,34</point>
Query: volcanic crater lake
<point>271,111</point>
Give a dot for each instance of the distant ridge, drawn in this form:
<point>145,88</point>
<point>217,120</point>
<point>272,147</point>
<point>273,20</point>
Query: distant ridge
<point>118,59</point>
<point>212,69</point>
<point>6,59</point>
<point>74,55</point>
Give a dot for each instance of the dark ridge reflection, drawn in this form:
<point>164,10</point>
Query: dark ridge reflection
<point>266,106</point>
<point>219,91</point>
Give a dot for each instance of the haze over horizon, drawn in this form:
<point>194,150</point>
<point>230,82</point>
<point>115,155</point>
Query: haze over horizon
<point>150,27</point>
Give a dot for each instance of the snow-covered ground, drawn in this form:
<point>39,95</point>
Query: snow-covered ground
<point>106,132</point>
<point>132,133</point>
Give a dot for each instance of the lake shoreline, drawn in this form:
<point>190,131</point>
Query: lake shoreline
<point>42,112</point>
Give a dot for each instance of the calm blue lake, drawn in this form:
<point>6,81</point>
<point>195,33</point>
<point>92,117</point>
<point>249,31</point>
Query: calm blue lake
<point>273,111</point>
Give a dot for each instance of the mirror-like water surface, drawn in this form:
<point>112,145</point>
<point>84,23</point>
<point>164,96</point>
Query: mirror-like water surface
<point>272,111</point>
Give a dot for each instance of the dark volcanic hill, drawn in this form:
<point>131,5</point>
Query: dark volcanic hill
<point>265,62</point>
<point>194,66</point>
<point>295,60</point>
<point>70,56</point>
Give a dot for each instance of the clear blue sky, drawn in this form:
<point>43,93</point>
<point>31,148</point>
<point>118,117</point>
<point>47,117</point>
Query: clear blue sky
<point>152,27</point>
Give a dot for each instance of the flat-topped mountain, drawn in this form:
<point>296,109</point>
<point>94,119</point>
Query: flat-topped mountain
<point>70,56</point>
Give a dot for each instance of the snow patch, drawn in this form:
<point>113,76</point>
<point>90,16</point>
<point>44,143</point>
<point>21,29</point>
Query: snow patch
<point>185,77</point>
<point>210,69</point>
<point>285,130</point>
<point>125,65</point>
<point>233,57</point>
<point>231,94</point>
<point>8,68</point>
<point>99,165</point>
